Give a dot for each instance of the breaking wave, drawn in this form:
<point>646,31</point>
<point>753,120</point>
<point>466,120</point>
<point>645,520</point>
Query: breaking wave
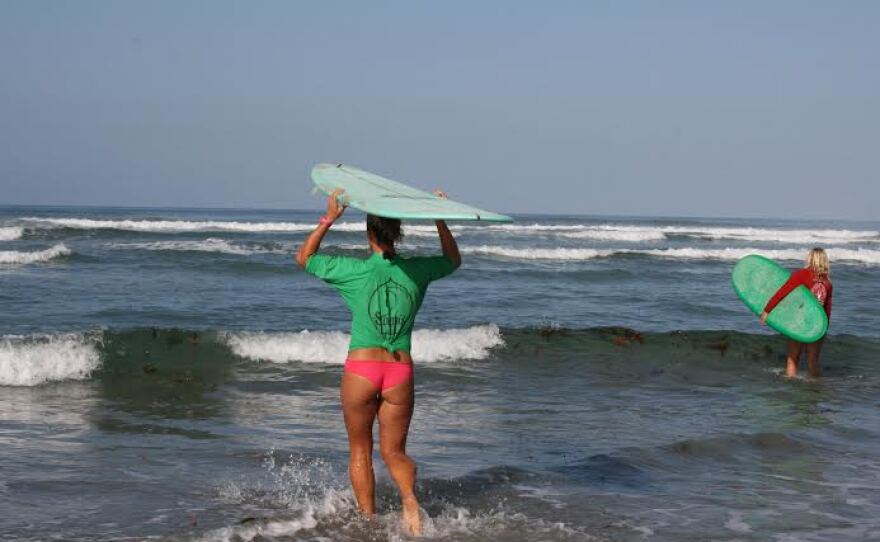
<point>207,245</point>
<point>637,233</point>
<point>181,226</point>
<point>38,359</point>
<point>11,233</point>
<point>777,235</point>
<point>30,361</point>
<point>205,356</point>
<point>428,345</point>
<point>863,256</point>
<point>599,232</point>
<point>20,257</point>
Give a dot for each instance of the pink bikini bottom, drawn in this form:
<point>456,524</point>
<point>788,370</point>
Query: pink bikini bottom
<point>383,374</point>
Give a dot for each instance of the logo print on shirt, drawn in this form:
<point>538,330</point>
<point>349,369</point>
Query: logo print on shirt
<point>391,309</point>
<point>820,291</point>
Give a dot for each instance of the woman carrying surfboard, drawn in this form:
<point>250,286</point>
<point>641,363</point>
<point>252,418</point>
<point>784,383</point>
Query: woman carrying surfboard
<point>816,276</point>
<point>384,293</point>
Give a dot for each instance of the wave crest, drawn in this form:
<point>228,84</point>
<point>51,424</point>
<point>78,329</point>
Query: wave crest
<point>11,233</point>
<point>859,255</point>
<point>600,232</point>
<point>210,244</point>
<point>777,235</point>
<point>20,257</point>
<point>428,345</point>
<point>30,361</point>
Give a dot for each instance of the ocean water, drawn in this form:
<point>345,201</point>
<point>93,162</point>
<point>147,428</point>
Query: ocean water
<point>170,374</point>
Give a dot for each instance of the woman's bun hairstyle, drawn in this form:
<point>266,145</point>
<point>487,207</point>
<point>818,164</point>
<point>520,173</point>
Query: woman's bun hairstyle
<point>385,232</point>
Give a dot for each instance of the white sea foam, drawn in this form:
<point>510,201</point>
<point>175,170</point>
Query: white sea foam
<point>737,523</point>
<point>778,235</point>
<point>864,256</point>
<point>187,226</point>
<point>30,361</point>
<point>571,231</point>
<point>11,233</point>
<point>313,495</point>
<point>630,236</point>
<point>334,512</point>
<point>555,253</point>
<point>206,245</point>
<point>23,257</point>
<point>305,515</point>
<point>574,231</point>
<point>453,344</point>
<point>179,226</point>
<point>537,227</point>
<point>428,345</point>
<point>307,346</point>
<point>600,232</point>
<point>637,233</point>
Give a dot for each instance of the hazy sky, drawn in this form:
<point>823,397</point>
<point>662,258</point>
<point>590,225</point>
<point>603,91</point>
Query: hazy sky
<point>660,108</point>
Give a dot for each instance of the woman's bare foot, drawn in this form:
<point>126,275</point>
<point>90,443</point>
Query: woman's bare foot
<point>412,516</point>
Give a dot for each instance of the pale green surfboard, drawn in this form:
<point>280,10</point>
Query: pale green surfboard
<point>798,316</point>
<point>390,199</point>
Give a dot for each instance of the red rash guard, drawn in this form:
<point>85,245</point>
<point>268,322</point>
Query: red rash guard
<point>820,287</point>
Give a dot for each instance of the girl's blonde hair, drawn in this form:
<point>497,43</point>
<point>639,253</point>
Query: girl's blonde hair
<point>817,260</point>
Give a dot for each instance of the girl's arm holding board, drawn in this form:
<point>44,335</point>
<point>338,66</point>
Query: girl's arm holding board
<point>447,241</point>
<point>313,241</point>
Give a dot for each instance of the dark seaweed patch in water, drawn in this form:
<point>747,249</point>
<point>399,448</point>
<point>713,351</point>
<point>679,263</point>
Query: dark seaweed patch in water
<point>621,336</point>
<point>550,331</point>
<point>171,373</point>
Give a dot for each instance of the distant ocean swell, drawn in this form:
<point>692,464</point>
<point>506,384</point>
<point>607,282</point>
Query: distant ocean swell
<point>859,255</point>
<point>838,255</point>
<point>863,256</point>
<point>39,359</point>
<point>598,232</point>
<point>211,244</point>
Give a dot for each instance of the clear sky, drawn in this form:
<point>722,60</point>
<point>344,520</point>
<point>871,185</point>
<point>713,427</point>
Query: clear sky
<point>649,108</point>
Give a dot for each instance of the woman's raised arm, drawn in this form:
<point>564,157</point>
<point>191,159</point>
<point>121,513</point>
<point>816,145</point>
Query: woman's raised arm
<point>447,241</point>
<point>313,241</point>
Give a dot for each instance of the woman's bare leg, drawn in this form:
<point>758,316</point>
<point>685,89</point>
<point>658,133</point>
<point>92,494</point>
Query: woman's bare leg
<point>395,413</point>
<point>813,351</point>
<point>360,402</point>
<point>794,356</point>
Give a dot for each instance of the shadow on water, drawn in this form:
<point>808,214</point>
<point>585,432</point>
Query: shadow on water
<point>606,471</point>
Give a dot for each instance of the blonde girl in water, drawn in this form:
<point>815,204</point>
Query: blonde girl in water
<point>816,276</point>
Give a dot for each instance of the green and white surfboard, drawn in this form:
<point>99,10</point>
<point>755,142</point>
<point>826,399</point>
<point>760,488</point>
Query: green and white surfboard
<point>798,316</point>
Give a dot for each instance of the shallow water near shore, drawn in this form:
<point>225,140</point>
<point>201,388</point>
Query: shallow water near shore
<point>170,375</point>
